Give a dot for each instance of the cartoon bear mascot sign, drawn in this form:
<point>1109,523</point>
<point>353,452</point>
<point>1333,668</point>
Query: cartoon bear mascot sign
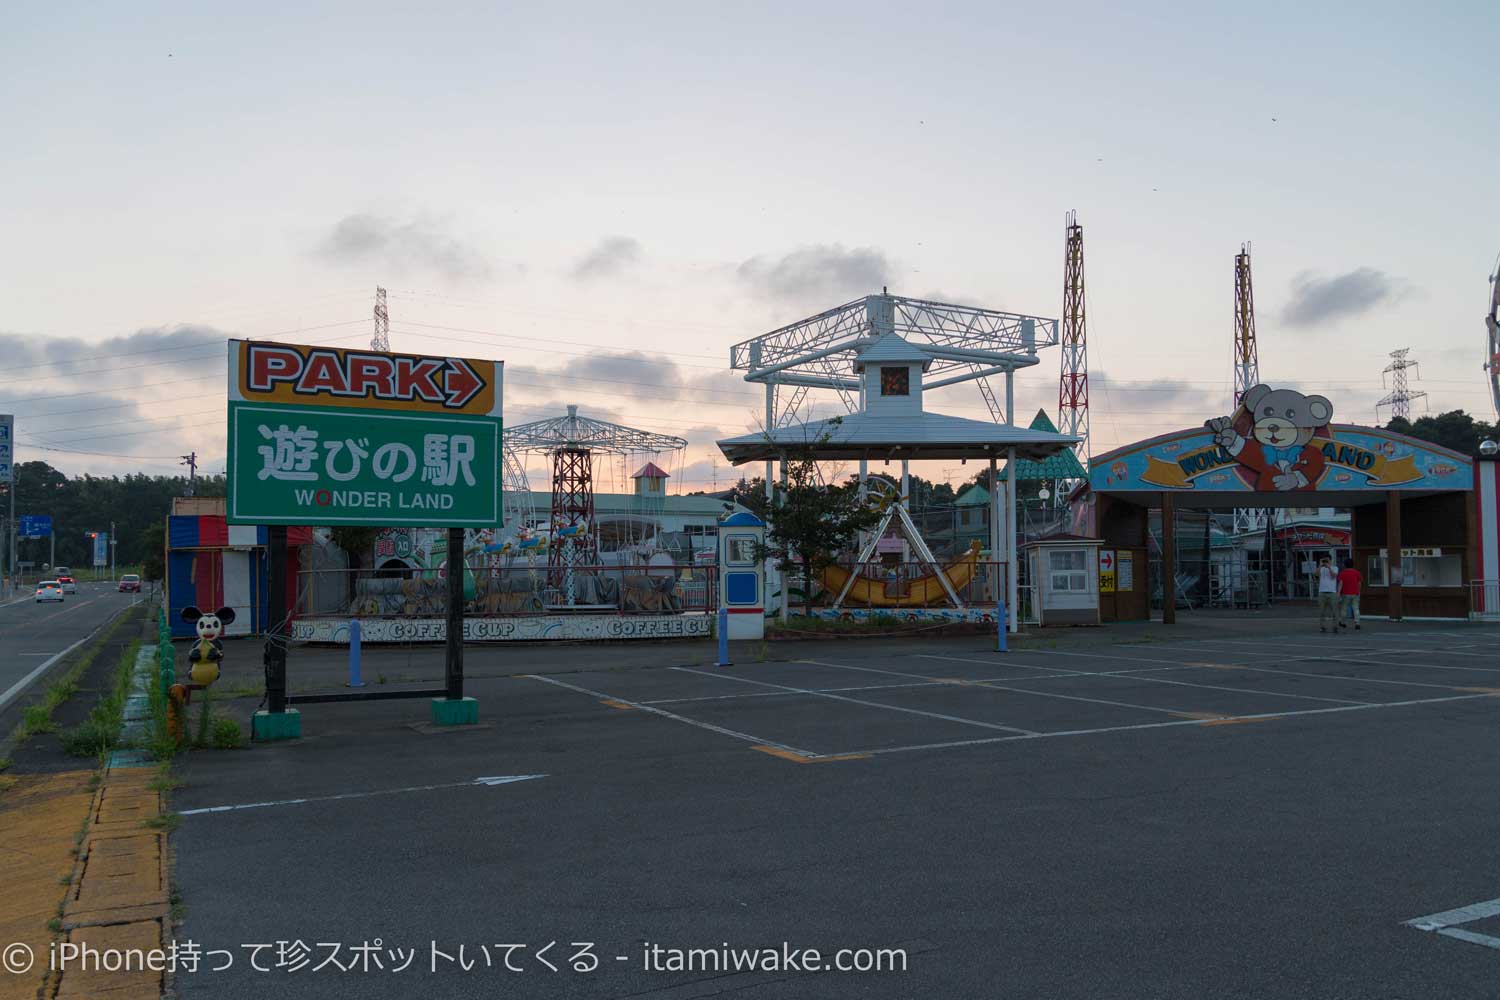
<point>1270,435</point>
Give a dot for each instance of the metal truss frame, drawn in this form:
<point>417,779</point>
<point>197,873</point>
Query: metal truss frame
<point>967,344</point>
<point>573,431</point>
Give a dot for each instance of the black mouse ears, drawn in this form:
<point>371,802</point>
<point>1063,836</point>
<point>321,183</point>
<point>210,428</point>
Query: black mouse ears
<point>192,614</point>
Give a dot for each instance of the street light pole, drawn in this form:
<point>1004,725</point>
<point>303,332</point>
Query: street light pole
<point>113,541</point>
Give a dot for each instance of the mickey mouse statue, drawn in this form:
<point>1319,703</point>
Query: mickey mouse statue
<point>209,649</point>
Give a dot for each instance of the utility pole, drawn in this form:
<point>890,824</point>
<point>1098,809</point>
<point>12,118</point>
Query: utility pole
<point>1400,397</point>
<point>381,341</point>
<point>191,461</point>
<point>1073,383</point>
<point>113,541</point>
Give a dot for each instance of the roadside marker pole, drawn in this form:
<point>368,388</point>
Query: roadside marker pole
<point>355,681</point>
<point>1000,623</point>
<point>723,638</point>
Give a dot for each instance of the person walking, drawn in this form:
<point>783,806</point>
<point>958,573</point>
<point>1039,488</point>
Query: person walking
<point>1350,582</point>
<point>1328,595</point>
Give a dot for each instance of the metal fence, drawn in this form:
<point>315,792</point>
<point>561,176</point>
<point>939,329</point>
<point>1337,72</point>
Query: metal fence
<point>516,591</point>
<point>1484,600</point>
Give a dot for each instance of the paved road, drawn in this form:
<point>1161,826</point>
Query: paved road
<point>1226,816</point>
<point>32,634</point>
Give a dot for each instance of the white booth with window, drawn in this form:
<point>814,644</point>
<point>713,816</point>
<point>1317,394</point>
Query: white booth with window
<point>1064,574</point>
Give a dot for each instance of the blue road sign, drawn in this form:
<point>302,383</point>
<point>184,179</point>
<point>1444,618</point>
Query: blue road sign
<point>34,525</point>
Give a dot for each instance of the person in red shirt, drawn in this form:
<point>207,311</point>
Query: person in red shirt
<point>1349,583</point>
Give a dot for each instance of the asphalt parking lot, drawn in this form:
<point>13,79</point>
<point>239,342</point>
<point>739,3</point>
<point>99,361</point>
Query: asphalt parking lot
<point>1222,814</point>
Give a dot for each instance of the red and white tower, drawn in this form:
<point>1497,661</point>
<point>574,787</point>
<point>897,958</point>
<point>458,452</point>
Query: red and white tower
<point>1073,384</point>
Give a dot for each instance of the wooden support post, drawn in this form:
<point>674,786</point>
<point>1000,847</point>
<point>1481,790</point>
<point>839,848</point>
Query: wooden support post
<point>1393,555</point>
<point>1168,561</point>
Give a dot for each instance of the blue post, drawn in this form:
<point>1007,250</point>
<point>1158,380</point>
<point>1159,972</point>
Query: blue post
<point>354,632</point>
<point>1001,621</point>
<point>723,638</point>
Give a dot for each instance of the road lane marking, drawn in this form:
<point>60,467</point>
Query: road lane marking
<point>721,730</point>
<point>860,701</point>
<point>498,779</point>
<point>14,691</point>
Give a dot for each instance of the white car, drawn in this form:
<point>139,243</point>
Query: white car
<point>49,590</point>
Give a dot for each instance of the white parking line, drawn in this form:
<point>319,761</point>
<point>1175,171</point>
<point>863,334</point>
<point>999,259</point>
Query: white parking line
<point>1445,923</point>
<point>1141,675</point>
<point>721,730</point>
<point>498,779</point>
<point>868,704</point>
<point>837,690</point>
<point>952,744</point>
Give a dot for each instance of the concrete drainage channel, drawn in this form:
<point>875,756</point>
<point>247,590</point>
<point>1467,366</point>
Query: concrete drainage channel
<point>120,896</point>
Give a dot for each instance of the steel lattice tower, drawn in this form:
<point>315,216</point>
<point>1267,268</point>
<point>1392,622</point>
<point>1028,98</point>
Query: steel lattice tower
<point>381,341</point>
<point>1400,397</point>
<point>1073,383</point>
<point>1246,366</point>
<point>573,506</point>
<point>1246,354</point>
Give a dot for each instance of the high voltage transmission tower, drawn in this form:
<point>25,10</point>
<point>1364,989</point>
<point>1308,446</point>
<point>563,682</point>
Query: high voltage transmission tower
<point>1073,383</point>
<point>381,341</point>
<point>1399,399</point>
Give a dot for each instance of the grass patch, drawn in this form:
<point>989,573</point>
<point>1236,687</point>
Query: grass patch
<point>4,764</point>
<point>166,821</point>
<point>37,719</point>
<point>100,732</point>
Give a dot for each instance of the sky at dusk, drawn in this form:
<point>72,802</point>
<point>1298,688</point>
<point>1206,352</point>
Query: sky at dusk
<point>608,196</point>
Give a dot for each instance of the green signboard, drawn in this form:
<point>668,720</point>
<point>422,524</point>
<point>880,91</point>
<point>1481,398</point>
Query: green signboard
<point>319,436</point>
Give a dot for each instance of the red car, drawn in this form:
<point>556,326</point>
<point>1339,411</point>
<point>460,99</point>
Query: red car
<point>130,583</point>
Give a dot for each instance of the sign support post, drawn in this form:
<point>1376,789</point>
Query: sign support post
<point>276,722</point>
<point>1168,560</point>
<point>453,709</point>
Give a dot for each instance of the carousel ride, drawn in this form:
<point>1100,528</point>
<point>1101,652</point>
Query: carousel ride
<point>574,577</point>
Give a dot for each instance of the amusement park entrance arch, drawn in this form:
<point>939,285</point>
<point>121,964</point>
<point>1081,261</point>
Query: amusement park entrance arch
<point>1414,525</point>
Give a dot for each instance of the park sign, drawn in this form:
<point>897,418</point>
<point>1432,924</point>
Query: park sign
<point>324,436</point>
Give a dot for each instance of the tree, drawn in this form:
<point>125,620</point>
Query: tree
<point>811,520</point>
<point>1455,430</point>
<point>154,541</point>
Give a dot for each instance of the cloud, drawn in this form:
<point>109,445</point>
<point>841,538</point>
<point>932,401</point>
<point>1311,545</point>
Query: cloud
<point>422,244</point>
<point>820,272</point>
<point>613,256</point>
<point>1318,300</point>
<point>130,403</point>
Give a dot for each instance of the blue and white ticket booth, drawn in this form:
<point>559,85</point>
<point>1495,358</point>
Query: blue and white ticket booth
<point>742,575</point>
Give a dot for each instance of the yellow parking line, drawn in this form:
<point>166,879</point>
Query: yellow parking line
<point>1235,721</point>
<point>797,758</point>
<point>617,703</point>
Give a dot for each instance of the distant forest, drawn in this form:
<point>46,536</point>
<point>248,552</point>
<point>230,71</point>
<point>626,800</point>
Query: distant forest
<point>138,505</point>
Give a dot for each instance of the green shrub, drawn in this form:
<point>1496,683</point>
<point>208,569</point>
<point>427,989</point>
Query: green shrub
<point>226,734</point>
